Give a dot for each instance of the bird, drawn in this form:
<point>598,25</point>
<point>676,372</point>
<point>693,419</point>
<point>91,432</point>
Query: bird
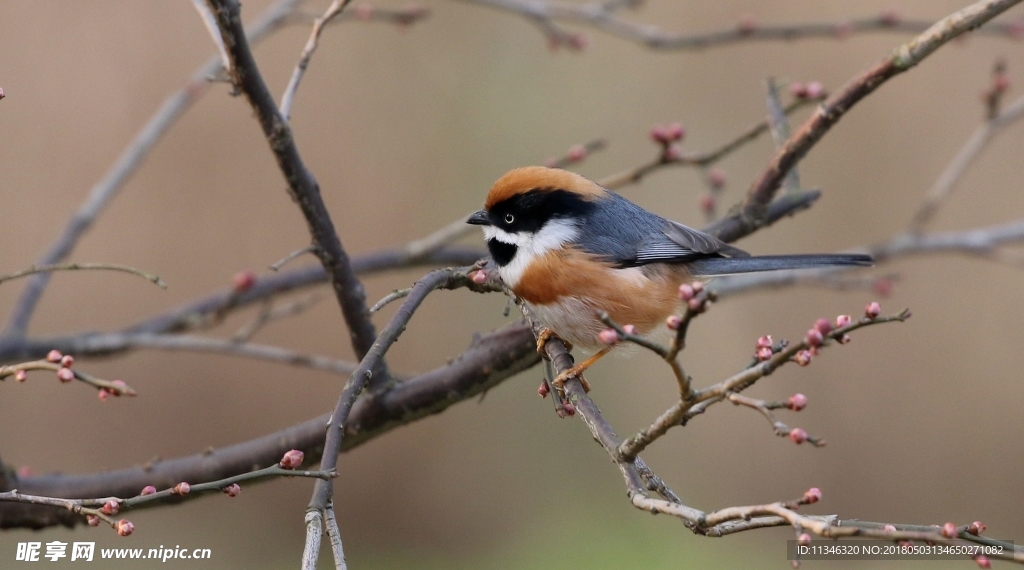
<point>576,252</point>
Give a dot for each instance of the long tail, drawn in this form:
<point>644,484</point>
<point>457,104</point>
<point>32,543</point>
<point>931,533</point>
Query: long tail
<point>727,265</point>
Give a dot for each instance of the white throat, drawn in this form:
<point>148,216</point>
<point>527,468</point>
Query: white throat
<point>531,246</point>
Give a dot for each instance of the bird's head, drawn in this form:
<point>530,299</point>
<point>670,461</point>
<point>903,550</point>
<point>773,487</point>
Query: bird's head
<point>531,211</point>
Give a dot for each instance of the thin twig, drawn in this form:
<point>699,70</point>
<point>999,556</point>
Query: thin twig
<point>307,54</point>
<point>277,265</point>
<point>303,187</point>
<point>835,107</point>
<point>129,161</point>
<point>979,139</point>
<point>84,266</point>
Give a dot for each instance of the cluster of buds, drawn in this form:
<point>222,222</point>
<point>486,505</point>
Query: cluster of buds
<point>716,179</point>
<point>809,90</point>
<point>64,373</point>
<point>689,293</point>
<point>764,348</point>
<point>669,136</point>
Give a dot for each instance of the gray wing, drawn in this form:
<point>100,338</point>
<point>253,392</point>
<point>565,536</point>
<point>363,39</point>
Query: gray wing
<point>630,236</point>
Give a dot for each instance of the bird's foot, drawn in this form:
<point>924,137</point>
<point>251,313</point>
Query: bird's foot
<point>545,335</point>
<point>574,372</point>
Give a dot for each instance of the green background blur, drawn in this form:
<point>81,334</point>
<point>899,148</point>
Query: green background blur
<point>406,129</point>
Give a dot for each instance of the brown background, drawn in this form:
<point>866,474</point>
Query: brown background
<point>406,129</point>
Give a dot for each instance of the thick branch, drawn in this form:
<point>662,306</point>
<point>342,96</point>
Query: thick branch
<point>305,190</point>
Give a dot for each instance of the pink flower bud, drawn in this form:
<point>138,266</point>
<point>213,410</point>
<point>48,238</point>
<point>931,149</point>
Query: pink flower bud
<point>949,530</point>
<point>103,394</point>
<point>232,490</point>
<point>797,436</point>
<point>717,178</point>
<point>843,30</point>
<point>804,539</point>
<point>659,134</point>
<point>243,281</point>
<point>92,520</point>
<point>883,286</point>
<point>797,402</point>
<point>823,326</point>
<point>577,153</point>
<point>675,132</point>
<point>815,90</point>
<point>570,410</point>
<point>2,93</point>
<point>21,376</point>
<point>125,527</point>
<point>608,336</point>
<point>814,337</point>
<point>673,322</point>
<point>812,495</point>
<point>747,25</point>
<point>798,90</point>
<point>148,490</point>
<point>478,277</point>
<point>765,341</point>
<point>889,528</point>
<point>890,17</point>
<point>872,310</point>
<point>578,41</point>
<point>707,203</point>
<point>543,390</point>
<point>686,292</point>
<point>802,358</point>
<point>1016,29</point>
<point>764,353</point>
<point>1001,83</point>
<point>976,528</point>
<point>54,356</point>
<point>982,561</point>
<point>292,459</point>
<point>118,387</point>
<point>696,305</point>
<point>65,375</point>
<point>363,12</point>
<point>698,286</point>
<point>845,339</point>
<point>182,488</point>
<point>673,152</point>
<point>110,508</point>
<point>843,320</point>
<point>629,329</point>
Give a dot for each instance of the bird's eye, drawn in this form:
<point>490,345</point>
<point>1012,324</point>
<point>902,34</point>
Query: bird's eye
<point>509,218</point>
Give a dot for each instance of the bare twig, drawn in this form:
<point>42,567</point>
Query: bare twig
<point>246,77</point>
<point>128,162</point>
<point>86,266</point>
<point>546,15</point>
<point>698,159</point>
<point>835,107</point>
<point>307,53</point>
<point>943,187</point>
<point>277,265</point>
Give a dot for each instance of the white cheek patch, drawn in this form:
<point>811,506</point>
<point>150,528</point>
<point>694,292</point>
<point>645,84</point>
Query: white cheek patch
<point>530,246</point>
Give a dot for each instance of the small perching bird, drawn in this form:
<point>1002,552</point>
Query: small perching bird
<point>573,250</point>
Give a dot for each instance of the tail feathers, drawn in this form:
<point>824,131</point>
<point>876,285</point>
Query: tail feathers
<point>727,265</point>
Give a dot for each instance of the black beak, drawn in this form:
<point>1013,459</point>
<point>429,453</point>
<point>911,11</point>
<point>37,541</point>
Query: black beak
<point>479,219</point>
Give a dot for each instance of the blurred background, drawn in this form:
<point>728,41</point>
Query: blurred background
<point>406,128</point>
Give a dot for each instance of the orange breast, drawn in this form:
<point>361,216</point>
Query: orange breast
<point>576,281</point>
